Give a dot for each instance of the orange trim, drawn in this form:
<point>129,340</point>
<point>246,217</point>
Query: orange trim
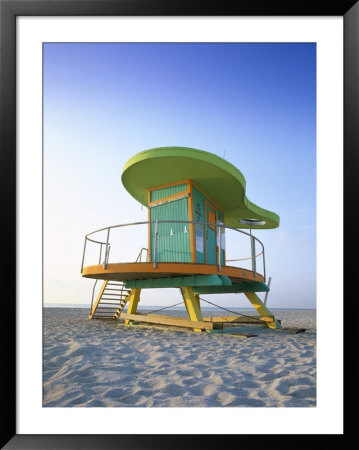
<point>191,219</point>
<point>173,196</point>
<point>211,217</point>
<point>138,270</point>
<point>206,204</point>
<point>168,185</point>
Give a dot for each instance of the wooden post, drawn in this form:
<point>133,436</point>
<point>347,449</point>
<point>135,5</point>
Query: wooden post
<point>192,305</point>
<point>133,302</point>
<point>262,309</point>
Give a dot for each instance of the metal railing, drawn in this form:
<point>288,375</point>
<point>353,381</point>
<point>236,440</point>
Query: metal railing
<point>218,226</point>
<point>139,257</point>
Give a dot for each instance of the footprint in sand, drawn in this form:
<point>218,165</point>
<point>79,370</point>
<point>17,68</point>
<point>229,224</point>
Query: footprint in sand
<point>210,389</point>
<point>133,400</point>
<point>173,390</point>
<point>303,392</point>
<point>285,385</point>
<point>248,402</point>
<point>115,393</point>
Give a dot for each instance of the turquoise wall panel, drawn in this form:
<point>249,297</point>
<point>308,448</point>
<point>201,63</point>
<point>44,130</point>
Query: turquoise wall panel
<point>198,216</point>
<point>211,257</point>
<point>167,191</point>
<point>173,238</point>
<point>199,213</point>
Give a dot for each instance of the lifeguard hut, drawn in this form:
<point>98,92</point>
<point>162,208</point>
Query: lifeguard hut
<point>194,198</point>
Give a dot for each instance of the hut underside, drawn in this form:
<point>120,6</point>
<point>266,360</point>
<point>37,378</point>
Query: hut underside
<point>192,279</point>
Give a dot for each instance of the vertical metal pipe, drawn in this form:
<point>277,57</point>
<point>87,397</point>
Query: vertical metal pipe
<point>105,260</point>
<point>266,296</point>
<point>155,249</point>
<point>264,265</point>
<point>99,260</point>
<point>219,248</point>
<point>253,249</point>
<point>83,255</point>
<point>93,294</point>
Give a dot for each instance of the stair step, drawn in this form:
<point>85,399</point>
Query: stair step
<point>108,303</point>
<point>119,289</point>
<point>113,300</point>
<point>103,314</point>
<point>107,309</point>
<point>99,317</point>
<point>112,293</point>
<point>99,314</point>
<point>119,292</point>
<point>111,308</point>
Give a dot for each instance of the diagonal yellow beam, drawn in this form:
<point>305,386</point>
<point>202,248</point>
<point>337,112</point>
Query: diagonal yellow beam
<point>262,309</point>
<point>192,305</point>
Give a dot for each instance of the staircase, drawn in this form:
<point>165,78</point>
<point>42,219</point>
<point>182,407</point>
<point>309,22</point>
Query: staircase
<point>110,301</point>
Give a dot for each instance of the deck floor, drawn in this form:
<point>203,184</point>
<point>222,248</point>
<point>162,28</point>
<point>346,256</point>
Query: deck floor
<point>134,271</point>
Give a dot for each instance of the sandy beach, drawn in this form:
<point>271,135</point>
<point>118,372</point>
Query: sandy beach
<point>101,363</point>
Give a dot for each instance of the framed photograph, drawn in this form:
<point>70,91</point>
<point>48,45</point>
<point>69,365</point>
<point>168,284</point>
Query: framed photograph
<point>80,79</point>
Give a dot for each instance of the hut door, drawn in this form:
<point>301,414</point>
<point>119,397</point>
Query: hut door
<point>210,246</point>
<point>173,243</point>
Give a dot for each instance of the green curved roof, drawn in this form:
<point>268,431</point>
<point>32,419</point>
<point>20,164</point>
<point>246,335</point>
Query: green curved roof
<point>219,179</point>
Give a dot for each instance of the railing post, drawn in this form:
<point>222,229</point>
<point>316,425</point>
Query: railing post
<point>266,296</point>
<point>83,255</point>
<point>253,249</point>
<point>155,249</point>
<point>93,293</point>
<point>264,265</point>
<point>99,259</point>
<point>106,258</point>
<point>108,253</point>
<point>219,239</point>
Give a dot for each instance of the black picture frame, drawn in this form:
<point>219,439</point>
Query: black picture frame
<point>9,10</point>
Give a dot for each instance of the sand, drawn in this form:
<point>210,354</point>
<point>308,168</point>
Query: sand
<point>101,363</point>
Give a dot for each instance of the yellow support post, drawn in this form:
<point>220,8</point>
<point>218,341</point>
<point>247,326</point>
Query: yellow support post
<point>192,305</point>
<point>262,309</point>
<point>196,296</point>
<point>133,302</point>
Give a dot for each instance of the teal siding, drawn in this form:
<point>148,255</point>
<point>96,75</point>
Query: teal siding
<point>211,257</point>
<point>167,191</point>
<point>199,213</point>
<point>173,238</point>
<point>198,216</point>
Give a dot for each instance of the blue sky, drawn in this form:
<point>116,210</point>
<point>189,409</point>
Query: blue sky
<point>254,104</point>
